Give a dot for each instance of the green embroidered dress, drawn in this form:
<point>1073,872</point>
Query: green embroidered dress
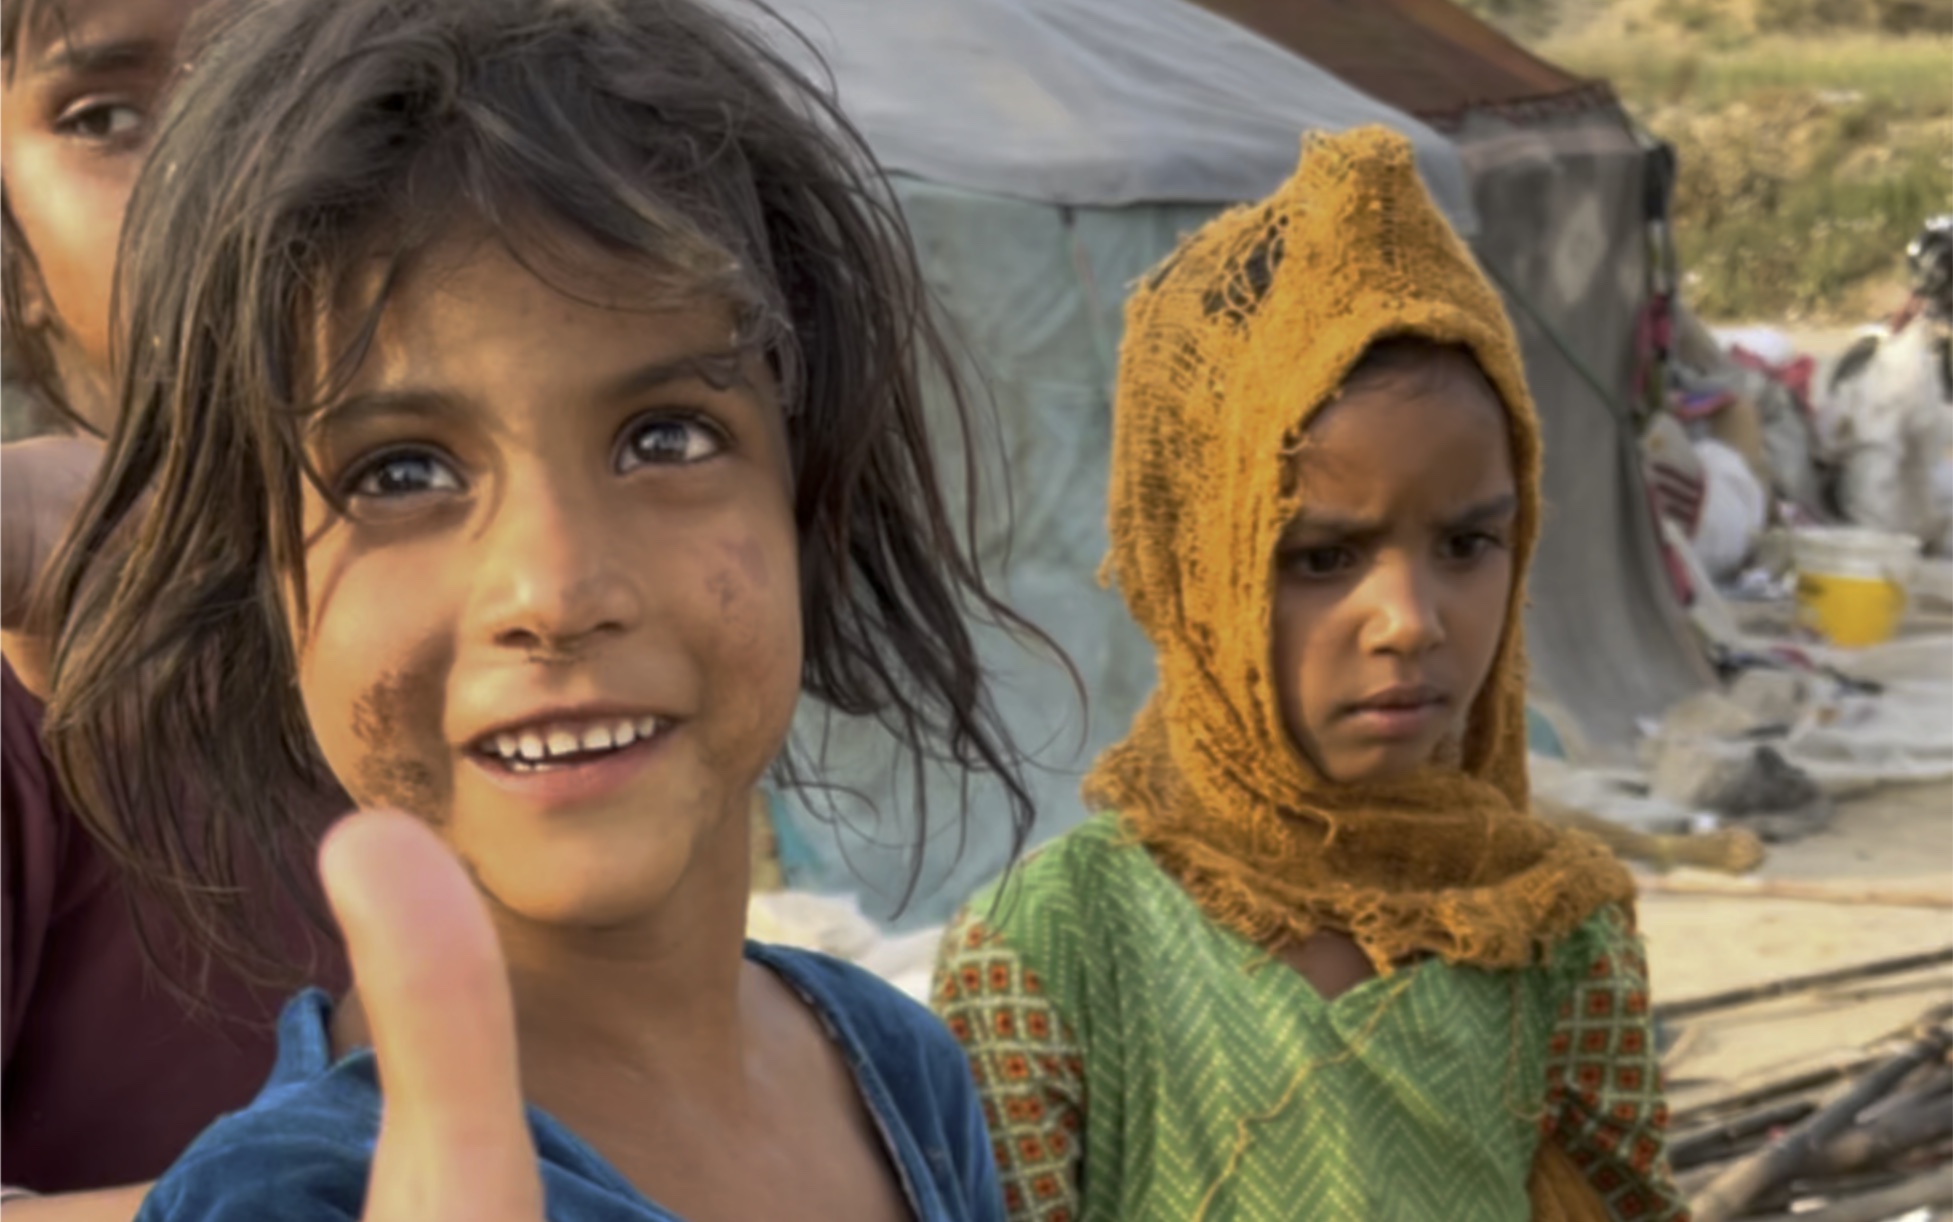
<point>1139,1061</point>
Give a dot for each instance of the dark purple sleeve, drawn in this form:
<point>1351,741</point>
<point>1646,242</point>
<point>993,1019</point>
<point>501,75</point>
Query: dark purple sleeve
<point>30,854</point>
<point>108,1074</point>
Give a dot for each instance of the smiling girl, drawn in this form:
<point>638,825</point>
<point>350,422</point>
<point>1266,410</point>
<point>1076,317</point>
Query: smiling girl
<point>523,416</point>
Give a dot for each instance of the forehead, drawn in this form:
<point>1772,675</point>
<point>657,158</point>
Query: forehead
<point>473,311</point>
<point>1425,425</point>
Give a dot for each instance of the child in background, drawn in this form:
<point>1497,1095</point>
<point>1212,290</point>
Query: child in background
<point>83,81</point>
<point>1314,959</point>
<point>110,1070</point>
<point>524,411</point>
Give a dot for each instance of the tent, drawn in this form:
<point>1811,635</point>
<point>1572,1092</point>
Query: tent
<point>1045,154</point>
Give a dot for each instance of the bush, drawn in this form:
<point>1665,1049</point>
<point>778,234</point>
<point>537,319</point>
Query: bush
<point>1695,16</point>
<point>1898,17</point>
<point>1782,211</point>
<point>1811,16</point>
<point>1915,16</point>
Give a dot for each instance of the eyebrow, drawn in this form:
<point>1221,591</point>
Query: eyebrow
<point>718,369</point>
<point>87,58</point>
<point>411,404</point>
<point>1485,513</point>
<point>1341,526</point>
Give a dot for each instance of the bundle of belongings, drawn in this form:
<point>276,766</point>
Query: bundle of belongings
<point>1755,436</point>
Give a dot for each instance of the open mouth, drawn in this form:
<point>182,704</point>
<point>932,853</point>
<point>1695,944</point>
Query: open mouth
<point>562,745</point>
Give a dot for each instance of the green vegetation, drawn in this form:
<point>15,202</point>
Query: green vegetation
<point>1894,17</point>
<point>1792,208</point>
<point>1653,71</point>
<point>1814,136</point>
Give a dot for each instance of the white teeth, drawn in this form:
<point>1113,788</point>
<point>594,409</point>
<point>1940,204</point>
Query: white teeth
<point>528,750</point>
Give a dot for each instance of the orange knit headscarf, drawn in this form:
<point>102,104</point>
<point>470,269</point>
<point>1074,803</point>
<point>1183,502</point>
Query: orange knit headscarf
<point>1231,347</point>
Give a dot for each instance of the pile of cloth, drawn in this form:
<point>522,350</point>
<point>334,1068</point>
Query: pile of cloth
<point>1756,436</point>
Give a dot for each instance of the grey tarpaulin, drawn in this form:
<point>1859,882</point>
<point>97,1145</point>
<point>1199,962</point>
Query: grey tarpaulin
<point>1087,102</point>
<point>1033,294</point>
<point>1561,197</point>
<point>1048,153</point>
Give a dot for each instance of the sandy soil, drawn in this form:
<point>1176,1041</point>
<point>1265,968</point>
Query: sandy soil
<point>1699,946</point>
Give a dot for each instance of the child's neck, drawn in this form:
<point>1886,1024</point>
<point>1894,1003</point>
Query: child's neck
<point>664,1000</point>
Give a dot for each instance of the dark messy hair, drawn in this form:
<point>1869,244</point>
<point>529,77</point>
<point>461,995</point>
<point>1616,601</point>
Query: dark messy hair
<point>311,139</point>
<point>27,348</point>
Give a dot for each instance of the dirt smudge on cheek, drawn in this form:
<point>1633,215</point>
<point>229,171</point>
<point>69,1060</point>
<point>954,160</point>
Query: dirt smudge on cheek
<point>724,590</point>
<point>750,558</point>
<point>398,719</point>
<point>741,576</point>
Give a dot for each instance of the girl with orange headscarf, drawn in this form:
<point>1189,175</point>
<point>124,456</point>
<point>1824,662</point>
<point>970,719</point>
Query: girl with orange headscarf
<point>1314,958</point>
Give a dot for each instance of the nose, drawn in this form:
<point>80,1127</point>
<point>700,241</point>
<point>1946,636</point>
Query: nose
<point>553,581</point>
<point>1402,615</point>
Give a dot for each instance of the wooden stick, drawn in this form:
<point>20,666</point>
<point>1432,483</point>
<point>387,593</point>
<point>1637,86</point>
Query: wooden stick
<point>1734,1189</point>
<point>1804,1081</point>
<point>1921,1120</point>
<point>1710,1145</point>
<point>1818,891</point>
<point>1774,1089</point>
<point>1933,1189</point>
<point>1800,984</point>
<point>1731,850</point>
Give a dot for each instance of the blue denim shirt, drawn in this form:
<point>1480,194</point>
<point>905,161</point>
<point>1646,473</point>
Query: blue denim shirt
<point>301,1150</point>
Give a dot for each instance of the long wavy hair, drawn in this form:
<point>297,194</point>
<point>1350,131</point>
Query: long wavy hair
<point>309,139</point>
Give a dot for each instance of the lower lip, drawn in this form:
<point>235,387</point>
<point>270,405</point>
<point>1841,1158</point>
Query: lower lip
<point>1398,722</point>
<point>574,784</point>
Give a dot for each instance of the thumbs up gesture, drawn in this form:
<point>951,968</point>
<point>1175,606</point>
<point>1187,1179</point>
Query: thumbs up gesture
<point>454,1144</point>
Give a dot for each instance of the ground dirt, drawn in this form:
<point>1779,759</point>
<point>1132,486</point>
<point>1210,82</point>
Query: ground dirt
<point>1697,946</point>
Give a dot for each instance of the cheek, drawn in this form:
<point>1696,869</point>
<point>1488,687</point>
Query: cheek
<point>1297,627</point>
<point>71,217</point>
<point>373,670</point>
<point>747,619</point>
<point>1478,616</point>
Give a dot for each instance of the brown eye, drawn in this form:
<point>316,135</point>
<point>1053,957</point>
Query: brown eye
<point>98,120</point>
<point>1470,546</point>
<point>1318,562</point>
<point>402,473</point>
<point>667,441</point>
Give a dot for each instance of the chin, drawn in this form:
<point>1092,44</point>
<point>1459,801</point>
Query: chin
<point>583,882</point>
<point>1379,764</point>
<point>585,903</point>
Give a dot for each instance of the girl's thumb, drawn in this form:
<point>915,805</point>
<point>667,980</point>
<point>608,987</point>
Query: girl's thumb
<point>454,1144</point>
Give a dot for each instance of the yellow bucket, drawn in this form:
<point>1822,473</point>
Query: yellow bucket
<point>1851,584</point>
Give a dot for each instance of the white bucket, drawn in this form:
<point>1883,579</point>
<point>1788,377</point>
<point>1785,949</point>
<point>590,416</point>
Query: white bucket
<point>1852,584</point>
